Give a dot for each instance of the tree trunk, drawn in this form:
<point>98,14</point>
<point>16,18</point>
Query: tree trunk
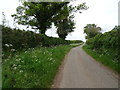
<point>62,36</point>
<point>42,31</point>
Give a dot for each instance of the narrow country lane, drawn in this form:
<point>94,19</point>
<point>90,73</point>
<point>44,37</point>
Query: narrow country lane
<point>79,70</point>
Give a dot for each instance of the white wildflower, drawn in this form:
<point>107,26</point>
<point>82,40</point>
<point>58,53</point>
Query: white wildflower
<point>19,65</point>
<point>33,48</point>
<point>21,71</point>
<point>50,59</point>
<point>16,55</point>
<point>53,60</point>
<point>7,45</point>
<point>12,49</point>
<point>43,52</point>
<point>18,59</point>
<point>36,60</point>
<point>11,45</point>
<point>22,61</point>
<point>14,67</point>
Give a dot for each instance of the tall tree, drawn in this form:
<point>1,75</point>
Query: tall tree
<point>40,16</point>
<point>63,23</point>
<point>64,28</point>
<point>91,30</point>
<point>37,15</point>
<point>64,19</point>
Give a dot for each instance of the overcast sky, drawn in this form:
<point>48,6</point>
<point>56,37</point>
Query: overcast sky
<point>104,13</point>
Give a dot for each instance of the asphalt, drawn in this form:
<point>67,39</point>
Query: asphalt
<point>79,70</point>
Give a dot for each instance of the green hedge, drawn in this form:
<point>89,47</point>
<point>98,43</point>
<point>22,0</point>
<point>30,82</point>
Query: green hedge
<point>107,43</point>
<point>76,41</point>
<point>20,39</point>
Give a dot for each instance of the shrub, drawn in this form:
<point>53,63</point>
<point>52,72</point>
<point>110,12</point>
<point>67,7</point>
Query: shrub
<point>16,39</point>
<point>107,43</point>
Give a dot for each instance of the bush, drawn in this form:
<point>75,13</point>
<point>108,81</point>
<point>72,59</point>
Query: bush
<point>50,41</point>
<point>19,39</point>
<point>75,41</point>
<point>106,43</point>
<point>16,39</point>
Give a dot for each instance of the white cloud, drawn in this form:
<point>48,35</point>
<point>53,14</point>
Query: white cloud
<point>9,8</point>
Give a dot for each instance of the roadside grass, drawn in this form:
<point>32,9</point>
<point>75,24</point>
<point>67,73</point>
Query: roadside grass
<point>104,59</point>
<point>34,68</point>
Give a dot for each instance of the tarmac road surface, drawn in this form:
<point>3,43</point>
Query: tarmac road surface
<point>79,70</point>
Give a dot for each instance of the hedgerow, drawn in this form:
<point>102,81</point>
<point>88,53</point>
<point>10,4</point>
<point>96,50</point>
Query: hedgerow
<point>14,40</point>
<point>76,41</point>
<point>19,39</point>
<point>107,43</point>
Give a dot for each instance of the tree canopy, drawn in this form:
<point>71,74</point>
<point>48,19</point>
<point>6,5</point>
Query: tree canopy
<point>41,15</point>
<point>37,15</point>
<point>91,30</point>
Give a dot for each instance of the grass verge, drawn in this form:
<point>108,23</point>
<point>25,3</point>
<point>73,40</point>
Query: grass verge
<point>104,59</point>
<point>34,68</point>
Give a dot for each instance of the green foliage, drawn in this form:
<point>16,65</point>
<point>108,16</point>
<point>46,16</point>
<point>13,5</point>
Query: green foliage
<point>64,19</point>
<point>65,27</point>
<point>104,59</point>
<point>50,41</point>
<point>106,44</point>
<point>76,41</point>
<point>18,39</point>
<point>15,39</point>
<point>91,30</point>
<point>40,16</point>
<point>33,68</point>
<point>105,48</point>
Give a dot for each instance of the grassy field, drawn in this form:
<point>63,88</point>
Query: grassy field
<point>104,59</point>
<point>34,68</point>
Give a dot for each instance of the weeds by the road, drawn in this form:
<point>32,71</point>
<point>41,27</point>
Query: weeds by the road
<point>104,59</point>
<point>34,68</point>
